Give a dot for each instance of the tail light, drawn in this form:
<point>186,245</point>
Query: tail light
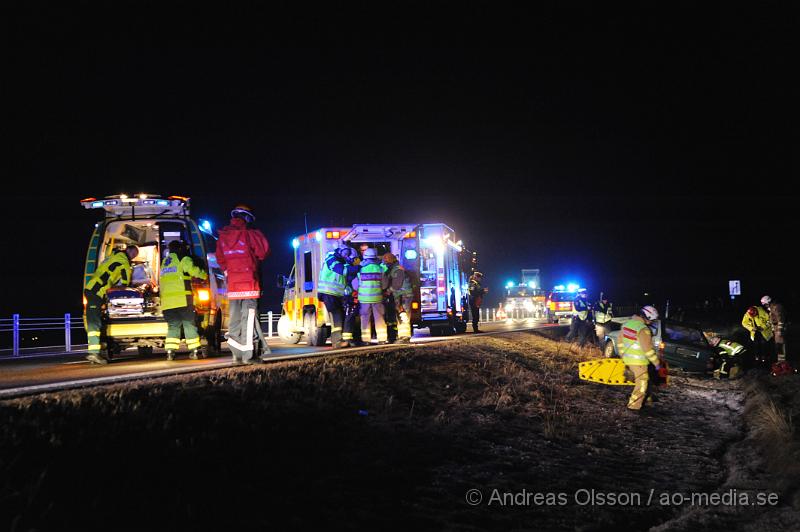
<point>85,302</point>
<point>414,305</point>
<point>204,295</point>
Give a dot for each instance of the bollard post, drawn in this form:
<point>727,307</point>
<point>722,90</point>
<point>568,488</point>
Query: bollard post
<point>15,317</point>
<point>67,332</point>
<point>494,314</point>
<point>269,327</point>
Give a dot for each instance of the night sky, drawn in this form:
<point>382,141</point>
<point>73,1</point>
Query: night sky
<point>642,151</point>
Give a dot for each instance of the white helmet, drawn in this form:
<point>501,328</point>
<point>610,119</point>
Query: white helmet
<point>649,312</point>
<point>766,300</point>
<point>370,253</point>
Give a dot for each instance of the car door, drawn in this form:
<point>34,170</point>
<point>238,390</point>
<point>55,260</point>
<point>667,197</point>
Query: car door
<point>685,347</point>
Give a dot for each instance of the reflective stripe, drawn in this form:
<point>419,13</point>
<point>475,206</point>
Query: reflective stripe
<point>244,295</point>
<point>94,347</point>
<point>93,333</point>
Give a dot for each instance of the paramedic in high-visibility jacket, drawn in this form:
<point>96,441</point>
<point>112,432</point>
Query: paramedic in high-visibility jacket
<point>637,352</point>
<point>240,250</point>
<point>371,282</point>
<point>177,301</point>
<point>116,269</point>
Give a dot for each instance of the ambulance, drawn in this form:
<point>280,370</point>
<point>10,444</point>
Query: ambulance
<point>430,253</point>
<point>560,302</point>
<point>132,315</point>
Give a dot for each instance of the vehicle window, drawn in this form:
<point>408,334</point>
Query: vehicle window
<point>308,269</point>
<point>562,296</point>
<point>686,335</point>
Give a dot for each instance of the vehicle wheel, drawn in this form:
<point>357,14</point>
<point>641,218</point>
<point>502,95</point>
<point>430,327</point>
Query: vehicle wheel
<point>316,335</point>
<point>145,350</point>
<point>214,335</point>
<point>461,327</point>
<point>608,350</point>
<point>285,332</point>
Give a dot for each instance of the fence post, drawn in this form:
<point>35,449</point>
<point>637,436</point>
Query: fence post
<point>269,327</point>
<point>68,332</point>
<point>494,314</point>
<point>15,317</point>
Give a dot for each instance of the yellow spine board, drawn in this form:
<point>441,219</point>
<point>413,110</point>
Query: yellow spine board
<point>604,371</point>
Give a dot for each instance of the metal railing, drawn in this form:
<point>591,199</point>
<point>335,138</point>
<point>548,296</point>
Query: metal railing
<point>17,326</point>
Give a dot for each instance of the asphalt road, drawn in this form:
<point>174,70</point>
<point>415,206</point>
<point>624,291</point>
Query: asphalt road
<point>43,374</point>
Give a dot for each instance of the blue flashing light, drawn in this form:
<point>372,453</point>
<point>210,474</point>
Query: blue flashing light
<point>319,236</point>
<point>558,287</point>
<point>111,202</point>
<point>572,287</point>
<point>531,284</point>
<point>162,202</point>
<point>411,254</point>
<point>295,243</point>
<point>510,284</point>
<point>205,226</point>
<point>96,204</point>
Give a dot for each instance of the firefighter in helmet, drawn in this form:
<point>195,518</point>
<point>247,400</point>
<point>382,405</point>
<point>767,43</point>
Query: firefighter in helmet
<point>371,282</point>
<point>331,290</point>
<point>756,321</point>
<point>400,295</point>
<point>639,354</point>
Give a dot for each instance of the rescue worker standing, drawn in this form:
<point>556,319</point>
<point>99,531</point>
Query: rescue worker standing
<point>114,269</point>
<point>777,317</point>
<point>756,321</point>
<point>240,250</point>
<point>331,288</point>
<point>371,282</point>
<point>401,294</point>
<point>638,353</point>
<point>476,293</point>
<point>580,325</point>
<point>603,313</point>
<point>349,301</point>
<point>177,302</point>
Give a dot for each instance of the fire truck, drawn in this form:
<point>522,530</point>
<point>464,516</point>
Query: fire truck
<point>132,315</point>
<point>430,253</point>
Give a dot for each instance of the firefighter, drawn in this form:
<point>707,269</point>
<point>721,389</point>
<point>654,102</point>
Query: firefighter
<point>756,321</point>
<point>476,293</point>
<point>777,317</point>
<point>350,300</point>
<point>400,295</point>
<point>240,250</point>
<point>177,302</point>
<point>638,354</point>
<point>115,269</point>
<point>580,326</point>
<point>603,312</point>
<point>331,288</point>
<point>371,282</point>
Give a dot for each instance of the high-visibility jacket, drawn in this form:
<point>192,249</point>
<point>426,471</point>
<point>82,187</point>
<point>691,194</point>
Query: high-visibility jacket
<point>399,281</point>
<point>371,282</point>
<point>115,269</point>
<point>730,348</point>
<point>332,276</point>
<point>602,312</point>
<point>175,281</point>
<point>758,323</point>
<point>636,344</point>
<point>581,308</point>
<point>240,249</point>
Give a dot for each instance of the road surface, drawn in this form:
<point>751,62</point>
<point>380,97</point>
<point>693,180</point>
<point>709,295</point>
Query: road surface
<point>43,374</point>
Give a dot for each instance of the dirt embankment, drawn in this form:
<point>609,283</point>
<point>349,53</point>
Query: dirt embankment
<point>408,439</point>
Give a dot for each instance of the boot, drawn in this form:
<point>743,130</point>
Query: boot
<point>96,358</point>
<point>194,355</point>
<point>170,355</point>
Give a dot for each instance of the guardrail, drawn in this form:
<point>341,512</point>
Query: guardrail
<point>17,324</point>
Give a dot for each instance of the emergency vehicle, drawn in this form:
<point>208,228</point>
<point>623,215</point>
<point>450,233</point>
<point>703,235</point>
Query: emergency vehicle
<point>132,315</point>
<point>560,302</point>
<point>430,253</point>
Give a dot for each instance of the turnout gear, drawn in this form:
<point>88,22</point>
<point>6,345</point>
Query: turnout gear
<point>331,289</point>
<point>636,349</point>
<point>476,293</point>
<point>766,300</point>
<point>602,316</point>
<point>372,282</point>
<point>777,317</point>
<point>400,296</point>
<point>756,321</point>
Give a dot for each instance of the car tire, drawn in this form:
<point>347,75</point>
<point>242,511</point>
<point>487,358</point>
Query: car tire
<point>316,335</point>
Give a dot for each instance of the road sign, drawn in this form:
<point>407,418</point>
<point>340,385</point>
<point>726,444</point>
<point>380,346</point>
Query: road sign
<point>735,288</point>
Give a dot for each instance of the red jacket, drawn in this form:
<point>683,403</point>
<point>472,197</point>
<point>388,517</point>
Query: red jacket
<point>239,250</point>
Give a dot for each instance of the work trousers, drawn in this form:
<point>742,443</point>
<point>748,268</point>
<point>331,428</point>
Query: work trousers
<point>242,328</point>
<point>475,314</point>
<point>177,318</point>
<point>641,386</point>
<point>403,307</point>
<point>94,320</point>
<point>601,330</point>
<point>335,309</point>
<point>350,313</point>
<point>376,311</point>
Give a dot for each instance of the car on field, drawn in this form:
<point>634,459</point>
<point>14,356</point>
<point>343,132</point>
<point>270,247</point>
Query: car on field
<point>681,344</point>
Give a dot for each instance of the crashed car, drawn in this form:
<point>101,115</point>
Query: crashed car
<point>685,346</point>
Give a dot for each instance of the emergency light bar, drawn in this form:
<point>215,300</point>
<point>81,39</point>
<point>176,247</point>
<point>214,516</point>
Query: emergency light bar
<point>142,204</point>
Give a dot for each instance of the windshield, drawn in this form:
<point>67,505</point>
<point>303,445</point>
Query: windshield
<point>683,334</point>
<point>562,296</point>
